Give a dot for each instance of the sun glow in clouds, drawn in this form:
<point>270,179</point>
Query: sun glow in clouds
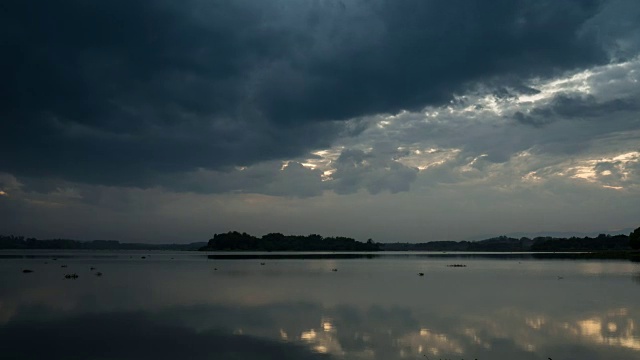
<point>484,113</point>
<point>618,167</point>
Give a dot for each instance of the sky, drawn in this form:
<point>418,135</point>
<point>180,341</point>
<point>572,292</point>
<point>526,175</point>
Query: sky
<point>397,120</point>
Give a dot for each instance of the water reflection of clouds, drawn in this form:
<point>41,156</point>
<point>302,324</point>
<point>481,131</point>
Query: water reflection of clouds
<point>351,333</point>
<point>425,341</point>
<point>369,309</point>
<point>137,335</point>
<point>517,331</point>
<point>614,328</point>
<point>620,331</point>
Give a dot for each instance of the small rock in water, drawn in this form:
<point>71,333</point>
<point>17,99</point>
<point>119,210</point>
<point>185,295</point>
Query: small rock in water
<point>64,266</point>
<point>420,274</point>
<point>98,273</point>
<point>26,271</point>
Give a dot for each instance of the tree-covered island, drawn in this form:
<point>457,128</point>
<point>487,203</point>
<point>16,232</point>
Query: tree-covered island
<point>235,241</point>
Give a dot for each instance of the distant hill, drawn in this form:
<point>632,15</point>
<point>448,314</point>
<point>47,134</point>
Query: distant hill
<point>504,243</point>
<point>569,234</point>
<point>553,234</point>
<point>20,242</point>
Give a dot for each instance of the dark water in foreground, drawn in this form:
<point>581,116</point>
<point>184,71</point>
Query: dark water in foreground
<point>178,306</point>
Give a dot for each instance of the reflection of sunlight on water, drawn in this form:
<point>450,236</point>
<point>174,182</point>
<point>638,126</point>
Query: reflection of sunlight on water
<point>325,265</point>
<point>535,322</point>
<point>428,341</point>
<point>601,268</point>
<point>323,340</point>
<point>612,332</point>
<point>589,328</point>
<point>591,268</point>
<point>616,328</point>
<point>472,334</point>
<point>308,335</point>
<point>326,325</point>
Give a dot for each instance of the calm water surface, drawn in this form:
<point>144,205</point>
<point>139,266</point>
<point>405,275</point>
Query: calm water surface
<point>188,306</point>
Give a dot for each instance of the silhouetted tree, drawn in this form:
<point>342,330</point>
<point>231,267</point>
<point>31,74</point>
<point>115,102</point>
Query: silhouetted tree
<point>634,239</point>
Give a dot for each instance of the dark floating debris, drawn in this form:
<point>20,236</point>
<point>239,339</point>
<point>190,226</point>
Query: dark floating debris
<point>71,276</point>
<point>334,270</point>
<point>98,273</point>
<point>560,277</point>
<point>92,268</point>
<point>215,268</point>
<point>55,258</point>
<point>261,263</point>
<point>420,274</point>
<point>457,265</point>
<point>64,266</point>
<point>26,271</point>
<point>143,257</point>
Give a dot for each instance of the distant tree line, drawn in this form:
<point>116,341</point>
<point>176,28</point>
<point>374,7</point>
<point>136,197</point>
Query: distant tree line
<point>602,242</point>
<point>235,241</point>
<point>501,243</point>
<point>20,242</point>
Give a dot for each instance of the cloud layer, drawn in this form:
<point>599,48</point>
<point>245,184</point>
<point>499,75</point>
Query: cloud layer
<point>312,110</point>
<point>118,93</point>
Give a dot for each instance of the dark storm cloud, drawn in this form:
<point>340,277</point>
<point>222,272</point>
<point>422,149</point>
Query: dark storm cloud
<point>589,107</point>
<point>120,92</point>
<point>576,107</point>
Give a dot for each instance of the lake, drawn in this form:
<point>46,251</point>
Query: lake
<point>188,305</point>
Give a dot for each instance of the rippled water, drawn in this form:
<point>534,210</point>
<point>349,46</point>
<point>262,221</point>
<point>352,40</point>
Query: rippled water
<point>190,306</point>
